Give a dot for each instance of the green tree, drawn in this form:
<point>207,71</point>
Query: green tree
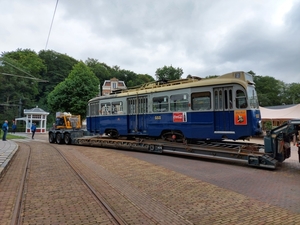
<point>20,76</point>
<point>58,66</point>
<point>101,70</point>
<point>291,93</point>
<point>168,73</point>
<point>105,72</point>
<point>269,90</point>
<point>144,78</point>
<point>73,93</point>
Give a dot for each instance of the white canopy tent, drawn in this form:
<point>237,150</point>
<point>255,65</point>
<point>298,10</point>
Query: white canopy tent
<point>280,115</point>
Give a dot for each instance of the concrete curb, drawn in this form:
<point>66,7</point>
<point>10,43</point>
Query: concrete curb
<point>6,157</point>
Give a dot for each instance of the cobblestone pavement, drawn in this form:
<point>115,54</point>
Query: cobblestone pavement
<point>53,195</point>
<point>196,200</point>
<point>221,193</point>
<point>280,187</point>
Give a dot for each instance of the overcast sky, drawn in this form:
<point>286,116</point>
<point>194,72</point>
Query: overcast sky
<point>203,37</point>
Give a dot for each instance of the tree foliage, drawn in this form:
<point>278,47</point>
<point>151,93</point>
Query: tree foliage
<point>291,93</point>
<point>168,73</point>
<point>105,72</point>
<point>20,70</point>
<point>73,93</point>
<point>58,66</point>
<point>269,90</point>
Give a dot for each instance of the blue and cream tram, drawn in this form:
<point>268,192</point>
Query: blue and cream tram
<point>192,109</point>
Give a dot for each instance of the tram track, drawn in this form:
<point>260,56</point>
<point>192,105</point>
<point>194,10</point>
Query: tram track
<point>44,192</point>
<point>117,219</point>
<point>19,207</point>
<point>16,215</point>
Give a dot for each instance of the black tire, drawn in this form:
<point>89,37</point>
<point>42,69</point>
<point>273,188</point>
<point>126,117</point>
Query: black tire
<point>151,148</point>
<point>59,139</point>
<point>67,139</point>
<point>51,138</point>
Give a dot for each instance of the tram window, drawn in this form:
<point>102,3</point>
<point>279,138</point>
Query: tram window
<point>94,107</point>
<point>220,99</point>
<point>117,108</point>
<point>105,108</point>
<point>160,104</point>
<point>228,98</point>
<point>131,106</point>
<point>253,98</point>
<point>201,101</point>
<point>179,102</point>
<point>216,100</point>
<point>97,109</point>
<point>241,101</point>
<point>88,110</point>
<point>142,104</point>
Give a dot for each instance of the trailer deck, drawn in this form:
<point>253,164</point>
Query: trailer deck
<point>247,153</point>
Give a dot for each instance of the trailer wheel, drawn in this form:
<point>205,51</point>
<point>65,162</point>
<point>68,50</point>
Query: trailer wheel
<point>67,139</point>
<point>51,138</point>
<point>151,148</point>
<point>59,139</point>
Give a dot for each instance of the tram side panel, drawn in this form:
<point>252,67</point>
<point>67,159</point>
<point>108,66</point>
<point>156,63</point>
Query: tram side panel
<point>193,125</point>
<point>93,124</point>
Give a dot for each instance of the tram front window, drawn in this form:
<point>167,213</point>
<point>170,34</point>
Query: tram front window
<point>241,100</point>
<point>252,95</point>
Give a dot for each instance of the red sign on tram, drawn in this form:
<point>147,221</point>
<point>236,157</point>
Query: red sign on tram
<point>179,117</point>
<point>240,117</point>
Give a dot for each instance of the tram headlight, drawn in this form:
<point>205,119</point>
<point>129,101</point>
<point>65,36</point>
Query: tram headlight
<point>259,124</point>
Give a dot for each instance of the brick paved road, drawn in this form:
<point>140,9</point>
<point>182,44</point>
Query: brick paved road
<point>197,191</point>
<point>279,187</point>
<point>221,194</point>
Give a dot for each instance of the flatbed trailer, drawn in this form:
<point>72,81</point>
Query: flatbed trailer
<point>245,153</point>
<point>274,151</point>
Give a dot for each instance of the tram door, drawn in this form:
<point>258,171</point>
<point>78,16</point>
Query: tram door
<point>137,112</point>
<point>223,110</point>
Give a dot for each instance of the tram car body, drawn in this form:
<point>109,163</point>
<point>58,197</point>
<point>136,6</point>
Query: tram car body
<point>225,107</point>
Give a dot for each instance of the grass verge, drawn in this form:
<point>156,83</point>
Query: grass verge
<point>13,136</point>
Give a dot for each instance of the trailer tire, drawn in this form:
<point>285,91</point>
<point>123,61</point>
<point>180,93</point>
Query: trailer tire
<point>67,139</point>
<point>59,139</point>
<point>51,138</point>
<point>151,148</point>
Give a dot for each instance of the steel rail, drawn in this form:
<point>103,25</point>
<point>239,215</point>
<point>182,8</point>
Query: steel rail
<point>109,211</point>
<point>16,216</point>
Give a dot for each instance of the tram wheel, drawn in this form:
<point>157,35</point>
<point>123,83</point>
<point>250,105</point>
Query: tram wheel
<point>173,137</point>
<point>113,133</point>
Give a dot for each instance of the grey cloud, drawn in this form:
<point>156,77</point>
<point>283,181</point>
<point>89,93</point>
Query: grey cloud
<point>202,37</point>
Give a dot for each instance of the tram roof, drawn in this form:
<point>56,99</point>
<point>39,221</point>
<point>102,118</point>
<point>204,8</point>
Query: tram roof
<point>238,77</point>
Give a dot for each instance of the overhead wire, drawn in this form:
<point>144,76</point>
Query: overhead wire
<point>15,75</point>
<point>51,24</point>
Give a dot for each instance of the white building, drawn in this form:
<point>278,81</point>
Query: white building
<point>111,85</point>
<point>35,115</point>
